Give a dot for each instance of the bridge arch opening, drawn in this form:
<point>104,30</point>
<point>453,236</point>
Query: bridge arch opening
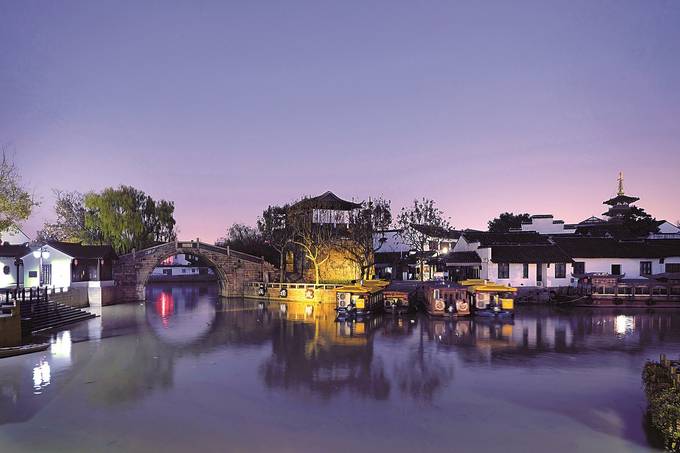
<point>203,258</point>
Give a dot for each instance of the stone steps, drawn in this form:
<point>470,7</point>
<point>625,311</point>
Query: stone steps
<point>48,315</point>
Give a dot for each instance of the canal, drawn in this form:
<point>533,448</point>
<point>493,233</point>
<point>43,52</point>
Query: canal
<point>186,371</point>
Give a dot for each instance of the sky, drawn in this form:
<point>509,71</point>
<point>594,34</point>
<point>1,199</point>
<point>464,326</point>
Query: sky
<point>228,107</point>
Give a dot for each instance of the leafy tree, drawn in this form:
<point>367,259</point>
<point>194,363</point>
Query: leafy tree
<point>422,212</point>
<point>508,221</point>
<point>70,224</point>
<point>639,223</point>
<point>128,218</point>
<point>276,233</point>
<point>16,203</point>
<point>359,243</point>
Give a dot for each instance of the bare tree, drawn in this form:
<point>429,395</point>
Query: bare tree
<point>276,232</point>
<point>422,212</point>
<point>359,243</point>
<point>315,240</point>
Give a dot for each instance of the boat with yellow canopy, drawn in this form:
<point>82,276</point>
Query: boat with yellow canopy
<point>490,299</point>
<point>360,298</point>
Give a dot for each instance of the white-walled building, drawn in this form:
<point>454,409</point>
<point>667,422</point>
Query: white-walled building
<point>520,259</point>
<point>546,224</point>
<point>14,237</point>
<point>67,264</point>
<point>11,272</point>
<point>631,259</point>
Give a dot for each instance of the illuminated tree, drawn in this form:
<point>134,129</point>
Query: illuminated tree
<point>359,244</point>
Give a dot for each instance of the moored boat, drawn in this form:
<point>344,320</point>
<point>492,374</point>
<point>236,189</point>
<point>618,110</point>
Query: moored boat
<point>446,299</point>
<point>360,299</point>
<point>489,299</point>
<point>23,349</point>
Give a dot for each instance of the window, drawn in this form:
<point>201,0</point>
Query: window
<point>659,291</point>
<point>610,290</point>
<point>167,271</point>
<point>32,274</point>
<point>616,269</point>
<point>675,291</point>
<point>525,270</point>
<point>672,267</point>
<point>579,268</point>
<point>641,290</point>
<point>5,270</point>
<point>625,290</point>
<point>560,270</point>
<point>503,270</point>
<point>645,268</point>
<point>46,275</point>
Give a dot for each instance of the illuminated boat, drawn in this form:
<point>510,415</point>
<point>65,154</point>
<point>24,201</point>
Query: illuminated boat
<point>446,299</point>
<point>360,299</point>
<point>489,299</point>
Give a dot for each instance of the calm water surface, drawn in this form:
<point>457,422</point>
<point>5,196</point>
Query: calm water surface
<point>186,371</point>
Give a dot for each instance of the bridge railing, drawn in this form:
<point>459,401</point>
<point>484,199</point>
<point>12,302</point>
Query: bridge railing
<point>198,246</point>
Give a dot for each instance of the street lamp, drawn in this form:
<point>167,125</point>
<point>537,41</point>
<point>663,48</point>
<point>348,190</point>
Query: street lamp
<point>41,254</point>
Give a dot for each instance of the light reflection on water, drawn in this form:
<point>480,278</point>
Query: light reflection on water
<point>216,370</point>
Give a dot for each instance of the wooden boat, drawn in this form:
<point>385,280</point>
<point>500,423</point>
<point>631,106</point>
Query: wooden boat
<point>361,298</point>
<point>446,299</point>
<point>489,299</point>
<point>24,349</point>
<point>399,300</point>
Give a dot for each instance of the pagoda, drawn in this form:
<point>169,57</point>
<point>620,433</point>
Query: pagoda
<point>620,204</point>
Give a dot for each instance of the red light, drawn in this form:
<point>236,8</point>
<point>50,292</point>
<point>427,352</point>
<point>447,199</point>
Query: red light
<point>165,307</point>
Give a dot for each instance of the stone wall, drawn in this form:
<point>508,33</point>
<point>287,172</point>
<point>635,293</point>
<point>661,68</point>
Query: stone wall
<point>10,329</point>
<point>234,269</point>
<point>296,292</point>
<point>74,297</point>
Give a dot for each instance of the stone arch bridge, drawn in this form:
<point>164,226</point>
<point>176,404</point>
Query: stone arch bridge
<point>234,269</point>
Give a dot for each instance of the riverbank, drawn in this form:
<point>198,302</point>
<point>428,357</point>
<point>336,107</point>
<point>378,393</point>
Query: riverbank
<point>662,386</point>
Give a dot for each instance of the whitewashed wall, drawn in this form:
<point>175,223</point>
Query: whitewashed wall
<point>7,281</point>
<point>61,268</point>
<point>629,266</point>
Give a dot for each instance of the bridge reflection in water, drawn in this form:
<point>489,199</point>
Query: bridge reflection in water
<point>187,348</point>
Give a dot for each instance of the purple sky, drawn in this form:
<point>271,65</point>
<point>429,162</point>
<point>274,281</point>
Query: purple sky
<point>226,107</point>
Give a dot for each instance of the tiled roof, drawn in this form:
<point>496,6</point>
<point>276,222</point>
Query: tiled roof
<point>487,239</point>
<point>327,200</point>
<point>14,251</point>
<point>78,250</point>
<point>436,231</point>
<point>528,253</point>
<point>461,257</point>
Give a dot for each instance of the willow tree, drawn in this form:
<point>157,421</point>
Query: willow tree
<point>16,203</point>
<point>129,219</point>
<point>422,212</point>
